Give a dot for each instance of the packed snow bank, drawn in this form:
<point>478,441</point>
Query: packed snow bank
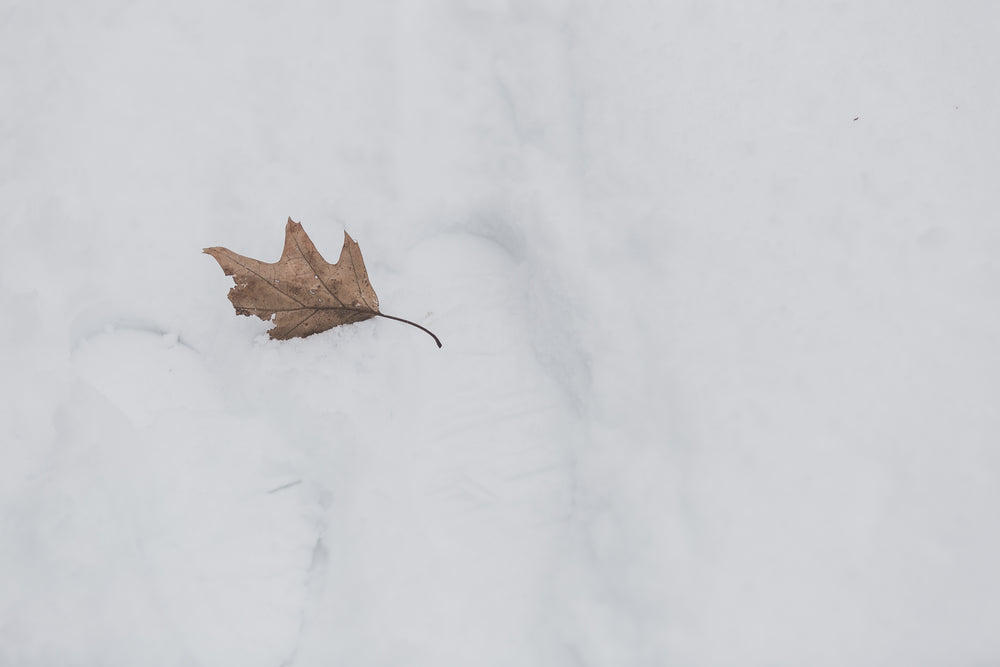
<point>716,291</point>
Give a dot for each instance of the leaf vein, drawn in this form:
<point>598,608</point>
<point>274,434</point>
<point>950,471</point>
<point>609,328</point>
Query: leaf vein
<point>301,322</point>
<point>270,284</point>
<point>357,280</point>
<point>316,272</point>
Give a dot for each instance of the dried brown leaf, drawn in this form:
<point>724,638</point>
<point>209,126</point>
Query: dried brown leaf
<point>301,293</point>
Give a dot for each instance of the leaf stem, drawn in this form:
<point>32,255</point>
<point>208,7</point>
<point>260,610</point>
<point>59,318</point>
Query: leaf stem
<point>414,324</point>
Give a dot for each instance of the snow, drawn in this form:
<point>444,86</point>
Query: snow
<point>716,285</point>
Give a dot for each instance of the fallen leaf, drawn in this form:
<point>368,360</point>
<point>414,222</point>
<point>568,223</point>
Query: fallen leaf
<point>301,293</point>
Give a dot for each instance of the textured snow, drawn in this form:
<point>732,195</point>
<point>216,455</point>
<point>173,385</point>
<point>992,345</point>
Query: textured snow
<point>717,287</point>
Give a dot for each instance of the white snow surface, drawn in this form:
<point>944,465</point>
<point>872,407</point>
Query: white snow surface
<point>716,282</point>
